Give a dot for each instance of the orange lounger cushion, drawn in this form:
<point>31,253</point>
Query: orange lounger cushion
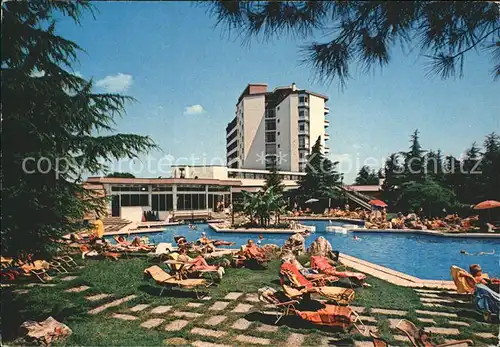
<point>330,315</point>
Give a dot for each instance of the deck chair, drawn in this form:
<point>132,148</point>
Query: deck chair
<point>57,266</point>
<point>68,261</point>
<point>166,280</point>
<point>290,275</point>
<point>420,338</point>
<point>193,271</point>
<point>343,317</point>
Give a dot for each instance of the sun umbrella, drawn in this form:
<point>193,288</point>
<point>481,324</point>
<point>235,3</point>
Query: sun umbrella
<point>486,205</point>
<point>378,203</point>
<point>311,201</point>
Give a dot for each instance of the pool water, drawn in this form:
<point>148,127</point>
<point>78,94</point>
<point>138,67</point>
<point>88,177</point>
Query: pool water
<point>423,256</point>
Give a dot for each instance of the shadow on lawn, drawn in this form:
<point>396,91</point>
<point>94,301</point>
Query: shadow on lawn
<point>17,309</point>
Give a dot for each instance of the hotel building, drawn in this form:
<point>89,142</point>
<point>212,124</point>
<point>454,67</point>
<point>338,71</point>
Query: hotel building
<point>278,127</point>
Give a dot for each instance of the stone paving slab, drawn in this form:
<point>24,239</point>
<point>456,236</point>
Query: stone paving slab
<point>443,331</point>
<point>176,325</point>
<point>215,320</point>
<point>111,304</point>
<point>429,295</point>
<point>160,309</point>
<point>363,344</point>
<point>199,343</point>
<point>365,319</point>
<point>358,309</point>
<point>206,298</point>
<point>20,291</point>
<point>456,322</point>
<point>176,341</point>
<point>436,313</point>
<point>41,285</point>
<point>186,314</point>
<point>253,297</point>
<point>69,278</point>
<point>98,297</point>
<point>208,332</point>
<point>152,323</point>
<point>266,328</point>
<point>140,307</point>
<point>218,306</point>
<point>426,304</point>
<point>434,300</point>
<point>369,328</point>
<point>388,312</point>
<point>427,320</point>
<point>241,324</point>
<point>242,308</point>
<point>485,335</point>
<point>233,296</point>
<point>77,289</point>
<point>253,340</point>
<point>401,338</point>
<point>123,316</point>
<point>194,304</point>
<point>295,340</point>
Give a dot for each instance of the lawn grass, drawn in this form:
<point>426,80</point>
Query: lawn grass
<point>125,277</point>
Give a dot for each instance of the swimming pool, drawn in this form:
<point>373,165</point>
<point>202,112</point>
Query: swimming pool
<point>423,256</point>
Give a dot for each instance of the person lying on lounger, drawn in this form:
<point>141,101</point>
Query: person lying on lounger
<point>199,263</point>
<point>204,240</point>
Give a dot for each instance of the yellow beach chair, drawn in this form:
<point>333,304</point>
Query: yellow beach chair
<point>166,280</point>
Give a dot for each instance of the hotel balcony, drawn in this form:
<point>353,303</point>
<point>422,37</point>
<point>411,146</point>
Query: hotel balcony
<point>326,136</point>
<point>326,150</point>
<point>327,110</point>
<point>327,123</point>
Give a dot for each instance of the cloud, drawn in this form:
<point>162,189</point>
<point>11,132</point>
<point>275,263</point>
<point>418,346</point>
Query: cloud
<point>115,84</point>
<point>194,109</point>
<point>341,158</point>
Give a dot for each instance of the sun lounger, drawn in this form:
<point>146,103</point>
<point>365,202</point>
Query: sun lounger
<point>68,261</point>
<point>420,338</point>
<point>166,280</point>
<point>343,317</point>
<point>55,265</point>
<point>290,275</point>
<point>377,340</point>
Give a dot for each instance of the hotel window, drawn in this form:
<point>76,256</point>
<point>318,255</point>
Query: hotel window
<point>162,202</point>
<point>134,200</point>
<point>302,127</point>
<point>270,125</point>
<point>161,188</point>
<point>303,98</point>
<point>271,137</point>
<point>301,155</point>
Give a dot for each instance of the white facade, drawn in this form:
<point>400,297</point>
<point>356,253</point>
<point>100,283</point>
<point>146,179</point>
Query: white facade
<point>279,126</point>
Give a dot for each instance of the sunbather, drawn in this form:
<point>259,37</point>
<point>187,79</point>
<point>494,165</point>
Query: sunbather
<point>199,263</point>
<point>137,242</point>
<point>325,265</point>
<point>204,240</point>
<point>251,255</point>
<point>291,276</point>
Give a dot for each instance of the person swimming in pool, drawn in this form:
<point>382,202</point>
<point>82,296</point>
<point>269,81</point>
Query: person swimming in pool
<point>463,251</point>
<point>356,238</point>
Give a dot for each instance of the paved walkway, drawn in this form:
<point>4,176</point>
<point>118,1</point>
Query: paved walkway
<point>227,321</point>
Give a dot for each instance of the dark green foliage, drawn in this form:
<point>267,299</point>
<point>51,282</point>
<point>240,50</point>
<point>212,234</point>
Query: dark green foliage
<point>448,183</point>
<point>49,112</point>
<point>120,175</point>
<point>365,32</point>
<point>428,195</point>
<point>321,176</point>
<point>366,176</point>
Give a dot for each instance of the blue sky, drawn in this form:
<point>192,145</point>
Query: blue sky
<point>169,57</point>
